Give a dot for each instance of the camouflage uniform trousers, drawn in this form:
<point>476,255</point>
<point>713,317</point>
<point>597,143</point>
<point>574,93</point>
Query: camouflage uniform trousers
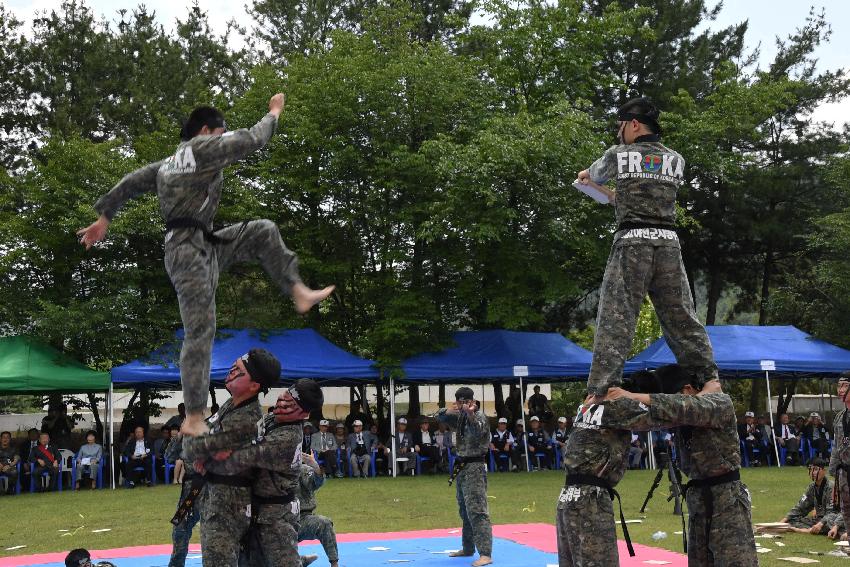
<point>315,526</point>
<point>225,520</point>
<point>844,498</point>
<point>632,271</point>
<point>182,532</point>
<point>273,537</point>
<point>471,486</point>
<point>194,266</point>
<point>584,521</point>
<point>731,542</point>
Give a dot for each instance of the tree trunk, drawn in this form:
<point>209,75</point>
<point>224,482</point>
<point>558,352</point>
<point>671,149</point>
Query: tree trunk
<point>364,402</point>
<point>499,398</point>
<point>441,395</point>
<point>98,425</point>
<point>353,402</point>
<point>380,404</point>
<point>765,284</point>
<point>715,289</point>
<point>789,389</point>
<point>414,409</point>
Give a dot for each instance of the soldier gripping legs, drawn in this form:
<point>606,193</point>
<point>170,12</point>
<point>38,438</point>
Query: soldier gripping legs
<point>586,533</point>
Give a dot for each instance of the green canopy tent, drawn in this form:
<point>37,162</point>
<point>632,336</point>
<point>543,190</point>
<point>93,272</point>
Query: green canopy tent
<point>28,366</point>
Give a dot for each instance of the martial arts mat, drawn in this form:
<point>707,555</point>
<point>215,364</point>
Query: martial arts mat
<point>514,545</point>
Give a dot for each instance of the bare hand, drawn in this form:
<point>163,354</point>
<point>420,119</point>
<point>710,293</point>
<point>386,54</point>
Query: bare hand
<point>617,394</point>
<point>583,177</point>
<point>710,387</point>
<point>199,467</point>
<point>832,533</point>
<point>276,104</point>
<point>222,455</point>
<point>95,232</point>
<point>815,530</point>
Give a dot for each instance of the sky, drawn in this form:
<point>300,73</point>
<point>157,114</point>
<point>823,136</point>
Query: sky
<point>767,20</point>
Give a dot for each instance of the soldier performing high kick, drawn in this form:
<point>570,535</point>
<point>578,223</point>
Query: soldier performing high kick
<point>646,256</point>
<point>473,438</point>
<point>188,185</point>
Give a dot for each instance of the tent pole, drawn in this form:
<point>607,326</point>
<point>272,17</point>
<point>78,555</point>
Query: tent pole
<point>109,424</point>
<point>392,425</point>
<point>522,410</point>
<point>822,407</point>
<point>770,415</point>
<point>651,451</point>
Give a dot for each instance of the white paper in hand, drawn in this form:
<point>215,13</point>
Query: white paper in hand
<point>592,192</point>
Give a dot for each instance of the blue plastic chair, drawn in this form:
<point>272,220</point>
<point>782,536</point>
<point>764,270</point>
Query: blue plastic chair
<point>98,481</point>
<point>17,480</point>
<point>140,468</point>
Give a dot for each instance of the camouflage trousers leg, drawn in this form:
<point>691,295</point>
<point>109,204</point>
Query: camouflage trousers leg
<point>584,521</point>
<point>471,490</point>
<point>225,520</point>
<point>314,526</point>
<point>844,497</point>
<point>273,540</point>
<point>730,541</point>
<point>180,536</point>
<point>633,271</point>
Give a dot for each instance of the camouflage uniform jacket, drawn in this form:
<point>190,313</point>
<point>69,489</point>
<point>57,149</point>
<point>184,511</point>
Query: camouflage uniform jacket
<point>707,433</point>
<point>271,450</point>
<point>841,451</point>
<point>648,175</point>
<point>229,418</point>
<point>596,450</point>
<point>310,480</point>
<point>473,432</point>
<point>188,183</point>
<point>819,500</point>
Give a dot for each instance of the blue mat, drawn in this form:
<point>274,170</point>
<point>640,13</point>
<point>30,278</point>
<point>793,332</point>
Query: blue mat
<point>400,552</point>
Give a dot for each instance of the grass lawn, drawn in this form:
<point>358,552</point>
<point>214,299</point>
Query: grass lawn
<point>141,516</point>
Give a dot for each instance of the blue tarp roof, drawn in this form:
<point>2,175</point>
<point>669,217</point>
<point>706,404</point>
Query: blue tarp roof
<point>494,355</point>
<point>742,350</point>
<point>303,353</point>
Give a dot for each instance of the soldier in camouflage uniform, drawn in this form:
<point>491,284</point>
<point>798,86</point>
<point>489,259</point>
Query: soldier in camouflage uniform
<point>311,525</point>
<point>473,440</point>
<point>646,255</point>
<point>272,450</point>
<point>817,498</point>
<point>181,532</point>
<point>839,460</point>
<point>188,185</point>
<point>226,513</point>
<point>720,529</point>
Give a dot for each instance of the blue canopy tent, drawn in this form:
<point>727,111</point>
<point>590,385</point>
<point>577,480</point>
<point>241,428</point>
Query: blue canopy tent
<point>495,356</point>
<point>752,351</point>
<point>303,353</point>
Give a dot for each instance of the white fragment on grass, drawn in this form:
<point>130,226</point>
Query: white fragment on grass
<point>677,533</point>
<point>635,522</point>
<point>799,560</point>
<point>101,530</point>
<point>779,544</point>
<point>13,548</point>
<point>763,550</point>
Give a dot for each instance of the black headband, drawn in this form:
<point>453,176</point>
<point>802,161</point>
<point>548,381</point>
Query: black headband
<point>642,118</point>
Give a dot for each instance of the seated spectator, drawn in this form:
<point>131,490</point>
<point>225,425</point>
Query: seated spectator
<point>766,433</point>
<point>560,436</point>
<point>58,425</point>
<point>750,433</point>
<point>361,444</point>
<point>306,439</point>
<point>637,449</point>
<point>82,558</point>
<point>818,436</point>
<point>174,454</point>
<point>9,460</point>
<point>159,446</point>
<point>88,460</point>
<point>786,437</point>
<point>177,420</point>
<point>662,446</point>
<point>138,454</point>
<point>44,458</point>
<point>444,440</point>
<point>826,520</point>
<point>324,445</point>
<point>404,447</point>
<point>539,443</point>
<point>26,448</point>
<point>425,445</point>
<point>502,444</point>
<point>381,451</point>
<point>341,437</point>
<point>520,446</point>
<point>538,405</point>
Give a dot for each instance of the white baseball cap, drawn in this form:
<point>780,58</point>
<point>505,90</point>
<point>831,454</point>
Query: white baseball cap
<point>519,422</point>
<point>503,420</point>
<point>562,419</point>
<point>749,414</point>
<point>357,422</point>
<point>535,418</point>
<point>402,420</point>
<point>308,424</point>
<point>814,414</point>
<point>324,422</point>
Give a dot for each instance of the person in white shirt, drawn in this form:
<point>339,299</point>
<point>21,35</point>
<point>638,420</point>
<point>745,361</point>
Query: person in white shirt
<point>323,444</point>
<point>425,444</point>
<point>138,454</point>
<point>360,443</point>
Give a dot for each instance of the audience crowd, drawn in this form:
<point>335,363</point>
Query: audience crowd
<point>355,447</point>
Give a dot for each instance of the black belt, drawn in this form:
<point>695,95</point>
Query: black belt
<point>284,498</point>
<point>705,484</point>
<point>229,480</point>
<point>475,459</point>
<point>588,479</point>
<point>209,235</point>
<point>187,504</point>
<point>632,225</point>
